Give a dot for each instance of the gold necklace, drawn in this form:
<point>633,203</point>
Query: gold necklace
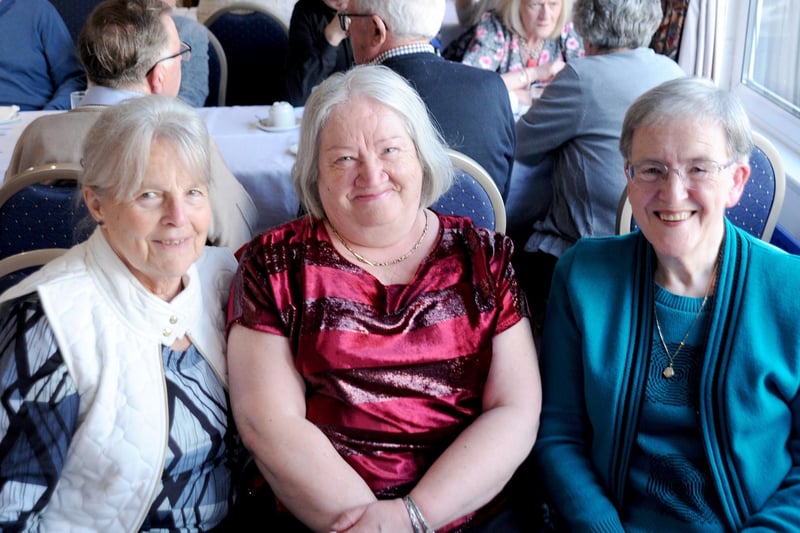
<point>383,263</point>
<point>669,371</point>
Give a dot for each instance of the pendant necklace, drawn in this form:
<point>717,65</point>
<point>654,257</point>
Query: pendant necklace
<point>533,54</point>
<point>669,371</point>
<point>383,263</point>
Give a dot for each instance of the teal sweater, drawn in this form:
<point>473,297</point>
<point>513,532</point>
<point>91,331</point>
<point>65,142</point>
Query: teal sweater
<point>594,359</point>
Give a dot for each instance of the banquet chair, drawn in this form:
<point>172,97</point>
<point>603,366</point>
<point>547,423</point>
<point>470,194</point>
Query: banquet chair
<point>75,13</point>
<point>42,207</point>
<point>217,72</point>
<point>473,194</point>
<point>760,205</point>
<point>256,44</point>
<point>15,268</point>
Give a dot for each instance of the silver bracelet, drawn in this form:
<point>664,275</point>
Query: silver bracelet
<point>418,522</point>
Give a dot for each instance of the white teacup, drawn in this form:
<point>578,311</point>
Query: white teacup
<point>281,115</point>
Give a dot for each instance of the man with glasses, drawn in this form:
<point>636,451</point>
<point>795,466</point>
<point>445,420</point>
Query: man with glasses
<point>131,48</point>
<point>470,105</point>
<point>194,66</point>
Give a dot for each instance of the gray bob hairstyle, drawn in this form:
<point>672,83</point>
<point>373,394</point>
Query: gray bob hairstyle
<point>387,88</point>
<point>690,99</point>
<point>117,148</point>
<point>610,24</point>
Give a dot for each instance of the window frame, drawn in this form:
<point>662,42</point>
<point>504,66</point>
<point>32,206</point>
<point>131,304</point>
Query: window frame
<point>776,123</point>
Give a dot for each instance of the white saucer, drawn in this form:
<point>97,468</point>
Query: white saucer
<point>10,112</point>
<point>265,126</point>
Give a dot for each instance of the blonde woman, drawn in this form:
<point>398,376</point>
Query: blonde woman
<point>525,41</point>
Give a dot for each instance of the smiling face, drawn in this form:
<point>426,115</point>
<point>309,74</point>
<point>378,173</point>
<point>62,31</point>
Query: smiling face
<point>539,17</point>
<point>679,221</point>
<point>370,176</point>
<point>162,230</point>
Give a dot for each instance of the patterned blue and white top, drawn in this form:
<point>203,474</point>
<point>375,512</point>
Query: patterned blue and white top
<point>39,409</point>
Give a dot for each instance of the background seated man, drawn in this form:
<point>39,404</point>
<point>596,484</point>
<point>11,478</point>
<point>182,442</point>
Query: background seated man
<point>470,106</point>
<point>130,48</point>
<point>38,63</point>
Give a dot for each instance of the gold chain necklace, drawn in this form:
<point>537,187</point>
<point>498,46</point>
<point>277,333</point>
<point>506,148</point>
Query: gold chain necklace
<point>669,371</point>
<point>383,263</point>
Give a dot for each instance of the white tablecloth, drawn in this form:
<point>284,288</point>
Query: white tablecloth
<point>260,160</point>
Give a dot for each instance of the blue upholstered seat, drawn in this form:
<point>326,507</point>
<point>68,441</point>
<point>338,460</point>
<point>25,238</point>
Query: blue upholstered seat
<point>15,268</point>
<point>473,194</point>
<point>217,73</point>
<point>75,13</point>
<point>256,44</point>
<point>762,191</point>
<point>42,208</point>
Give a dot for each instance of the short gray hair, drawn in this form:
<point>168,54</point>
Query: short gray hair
<point>610,24</point>
<point>382,85</point>
<point>690,98</point>
<point>117,148</point>
<point>407,18</point>
<point>508,11</point>
<point>122,40</point>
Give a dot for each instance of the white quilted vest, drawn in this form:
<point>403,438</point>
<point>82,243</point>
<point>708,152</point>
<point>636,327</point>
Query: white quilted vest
<point>110,331</point>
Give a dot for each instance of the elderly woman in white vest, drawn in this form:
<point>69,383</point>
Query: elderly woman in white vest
<point>112,357</point>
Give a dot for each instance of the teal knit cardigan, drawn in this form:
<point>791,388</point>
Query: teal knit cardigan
<point>594,358</point>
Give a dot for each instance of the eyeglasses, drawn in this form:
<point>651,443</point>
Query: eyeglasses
<point>186,52</point>
<point>346,18</point>
<point>695,174</point>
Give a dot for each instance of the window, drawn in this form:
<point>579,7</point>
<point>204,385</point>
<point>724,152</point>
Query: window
<point>771,52</point>
<point>766,70</point>
<point>763,39</point>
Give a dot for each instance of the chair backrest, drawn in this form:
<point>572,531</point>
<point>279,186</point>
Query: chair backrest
<point>217,72</point>
<point>256,44</point>
<point>473,194</point>
<point>15,268</point>
<point>760,205</point>
<point>42,208</point>
<point>75,13</point>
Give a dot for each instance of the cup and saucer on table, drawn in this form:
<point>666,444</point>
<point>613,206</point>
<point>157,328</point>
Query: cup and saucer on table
<point>281,118</point>
<point>9,114</point>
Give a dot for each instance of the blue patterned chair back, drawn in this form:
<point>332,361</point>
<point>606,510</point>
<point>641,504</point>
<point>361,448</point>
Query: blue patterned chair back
<point>15,268</point>
<point>256,44</point>
<point>760,205</point>
<point>75,13</point>
<point>473,194</point>
<point>761,202</point>
<point>217,73</point>
<point>44,214</point>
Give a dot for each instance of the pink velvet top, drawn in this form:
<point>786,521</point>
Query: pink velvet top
<point>393,373</point>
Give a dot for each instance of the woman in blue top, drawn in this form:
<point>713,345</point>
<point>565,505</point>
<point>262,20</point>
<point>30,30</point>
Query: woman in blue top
<point>670,355</point>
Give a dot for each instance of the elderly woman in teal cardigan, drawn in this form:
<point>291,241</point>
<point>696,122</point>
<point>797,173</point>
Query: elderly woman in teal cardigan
<point>671,356</point>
